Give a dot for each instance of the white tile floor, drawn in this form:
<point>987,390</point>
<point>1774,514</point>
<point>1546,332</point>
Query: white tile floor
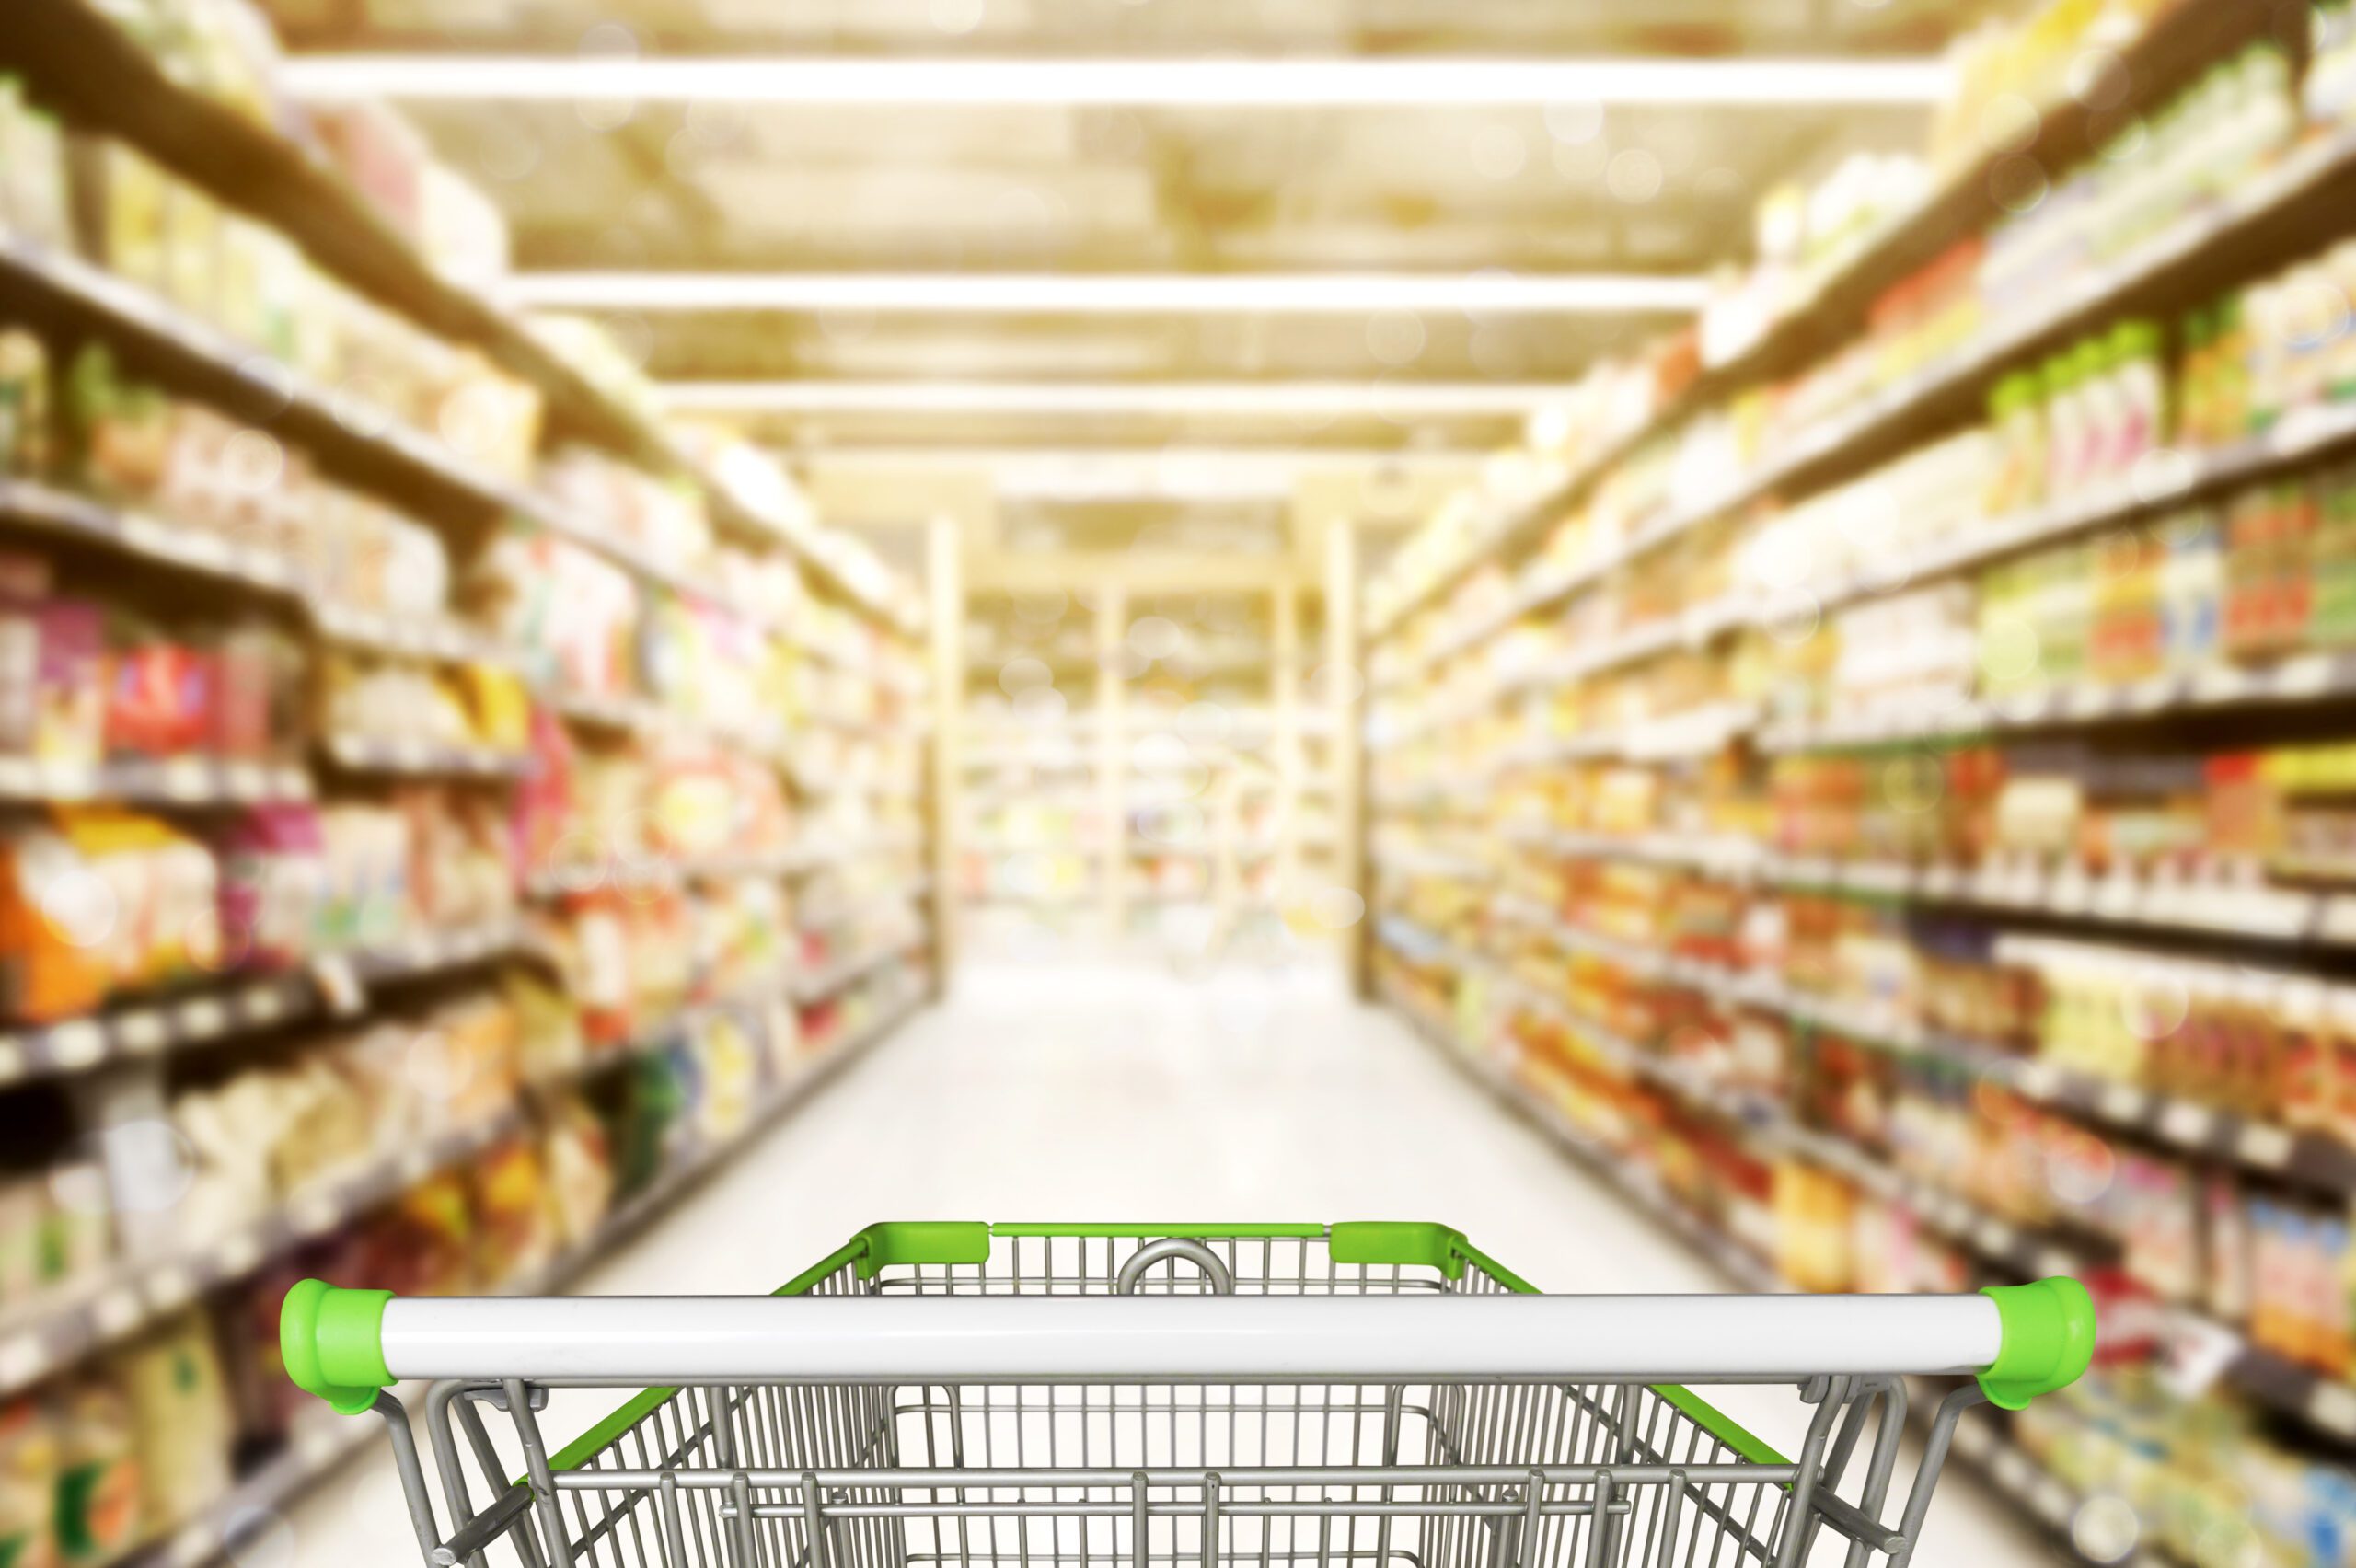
<point>1098,1094</point>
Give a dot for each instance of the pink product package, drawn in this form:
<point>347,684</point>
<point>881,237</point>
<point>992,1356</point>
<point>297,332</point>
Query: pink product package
<point>275,861</point>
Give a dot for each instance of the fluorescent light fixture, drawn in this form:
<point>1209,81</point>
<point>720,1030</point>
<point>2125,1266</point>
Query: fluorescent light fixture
<point>1170,398</point>
<point>1199,83</point>
<point>1113,294</point>
<point>1176,473</point>
<point>1126,458</point>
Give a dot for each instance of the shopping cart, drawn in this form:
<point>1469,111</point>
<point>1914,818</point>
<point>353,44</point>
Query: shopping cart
<point>1378,1392</point>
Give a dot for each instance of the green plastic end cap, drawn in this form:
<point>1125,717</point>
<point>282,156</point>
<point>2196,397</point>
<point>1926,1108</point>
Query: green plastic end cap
<point>1397,1241</point>
<point>333,1341</point>
<point>2049,1339</point>
<point>920,1241</point>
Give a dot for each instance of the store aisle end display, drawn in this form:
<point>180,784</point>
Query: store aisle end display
<point>1151,768</point>
<point>1874,775</point>
<point>443,809</point>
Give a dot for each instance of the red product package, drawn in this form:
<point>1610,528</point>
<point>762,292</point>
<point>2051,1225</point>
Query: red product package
<point>159,701</point>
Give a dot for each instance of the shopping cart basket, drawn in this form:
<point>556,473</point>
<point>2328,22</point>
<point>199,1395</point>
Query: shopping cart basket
<point>1377,1393</point>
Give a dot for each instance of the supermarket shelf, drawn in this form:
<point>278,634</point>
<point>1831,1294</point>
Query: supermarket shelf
<point>647,718</point>
<point>1432,863</point>
<point>2249,911</point>
<point>2199,1130</point>
<point>824,1063</point>
<point>2323,1405</point>
<point>143,1291</point>
<point>888,900</point>
<point>2169,55</point>
<point>63,513</point>
<point>2322,1402</point>
<point>2303,437</point>
<point>2177,48</point>
<point>2303,679</point>
<point>136,1029</point>
<point>835,977</point>
<point>410,636</point>
<point>1087,847</point>
<point>178,781</point>
<point>2162,273</point>
<point>2306,435</point>
<point>1461,795</point>
<point>2010,1469</point>
<point>2185,255</point>
<point>1047,759</point>
<point>1676,737</point>
<point>243,381</point>
<point>817,856</point>
<point>2306,679</point>
<point>431,951</point>
<point>74,51</point>
<point>414,757</point>
<point>1420,944</point>
<point>2196,1128</point>
<point>809,783</point>
<point>624,715</point>
<point>2245,910</point>
<point>325,1444</point>
<point>362,444</point>
<point>638,873</point>
<point>1630,1181</point>
<point>2317,678</point>
<point>1084,899</point>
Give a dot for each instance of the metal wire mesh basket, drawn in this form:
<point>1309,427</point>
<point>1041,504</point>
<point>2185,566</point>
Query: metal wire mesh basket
<point>1369,1393</point>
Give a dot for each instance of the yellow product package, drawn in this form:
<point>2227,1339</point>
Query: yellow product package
<point>186,1423</point>
<point>28,1486</point>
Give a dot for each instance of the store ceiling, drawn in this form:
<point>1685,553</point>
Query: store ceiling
<point>1434,190</point>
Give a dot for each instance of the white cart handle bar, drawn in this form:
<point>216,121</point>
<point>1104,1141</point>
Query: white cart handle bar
<point>2021,1340</point>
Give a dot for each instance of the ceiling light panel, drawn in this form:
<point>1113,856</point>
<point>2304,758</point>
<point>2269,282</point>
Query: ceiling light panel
<point>1213,83</point>
<point>1176,399</point>
<point>1074,293</point>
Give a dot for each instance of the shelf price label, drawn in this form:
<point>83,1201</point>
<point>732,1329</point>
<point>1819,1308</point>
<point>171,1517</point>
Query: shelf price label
<point>2331,1405</point>
<point>2123,1103</point>
<point>2264,1145</point>
<point>23,1357</point>
<point>142,1031</point>
<point>2186,1122</point>
<point>338,985</point>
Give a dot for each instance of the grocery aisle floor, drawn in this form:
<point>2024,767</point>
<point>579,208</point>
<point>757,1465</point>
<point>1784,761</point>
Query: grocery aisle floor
<point>1106,1093</point>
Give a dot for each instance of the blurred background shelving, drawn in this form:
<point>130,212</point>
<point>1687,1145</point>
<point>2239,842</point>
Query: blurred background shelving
<point>1146,773</point>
